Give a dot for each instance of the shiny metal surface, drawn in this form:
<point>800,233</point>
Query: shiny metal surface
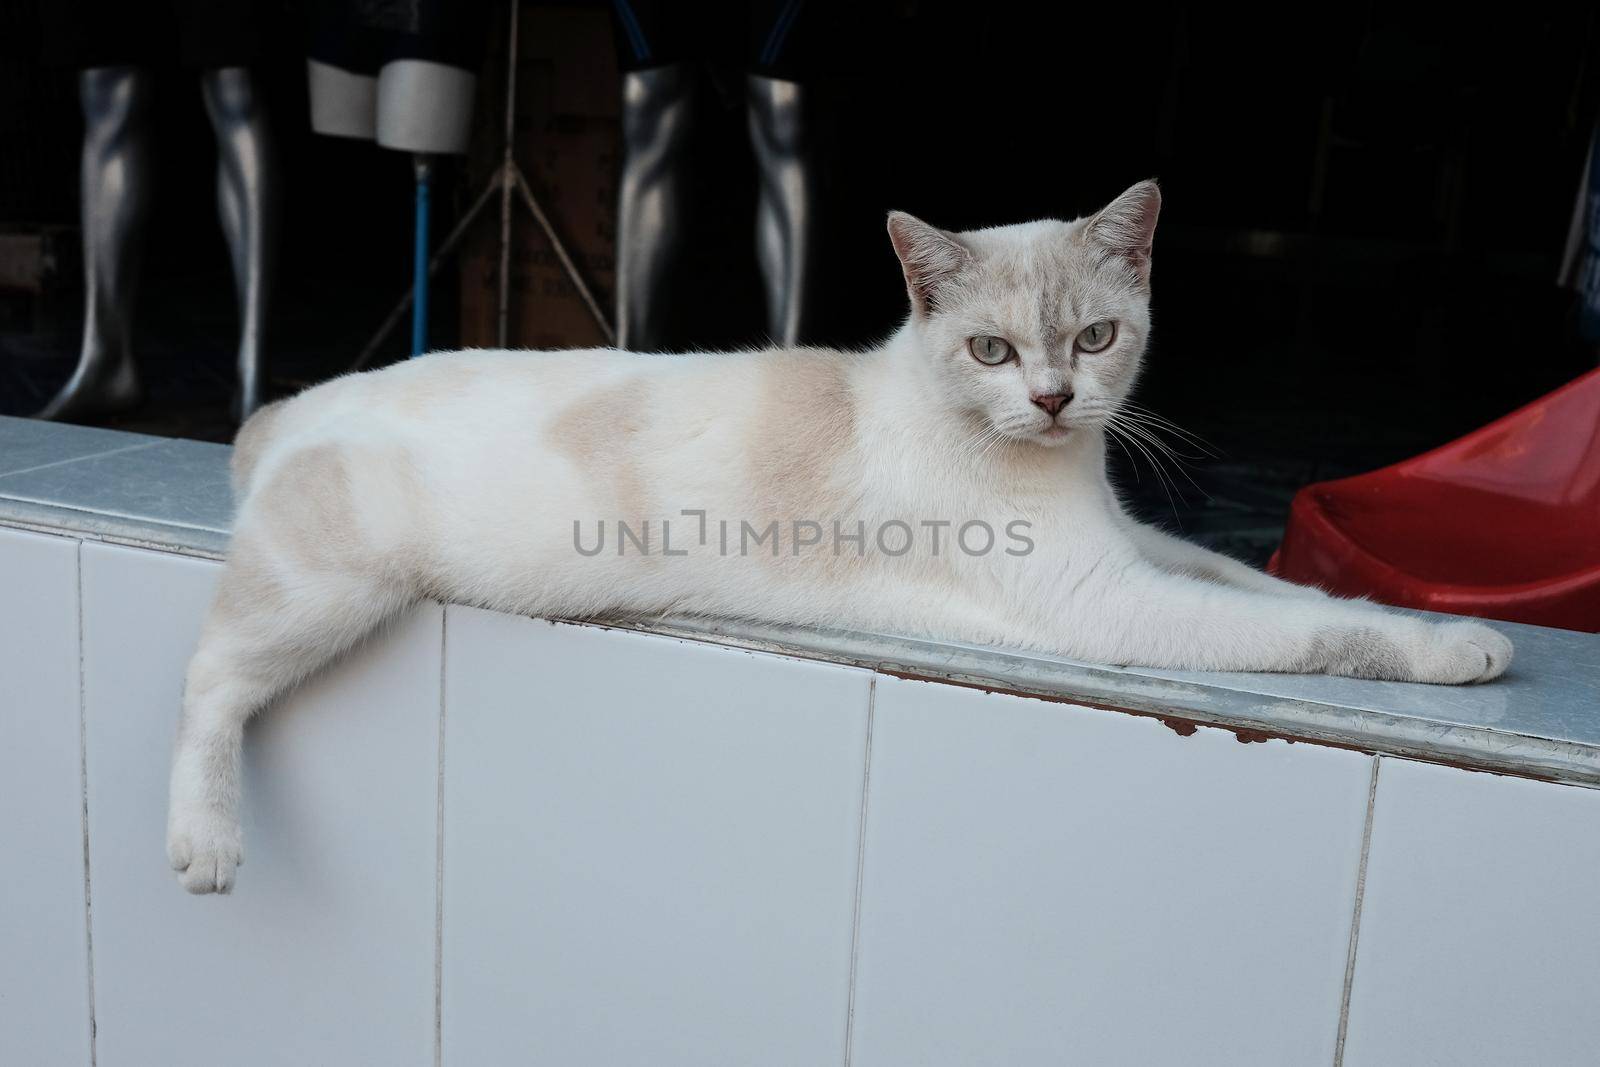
<point>27,445</point>
<point>657,107</point>
<point>115,169</point>
<point>1541,719</point>
<point>117,176</point>
<point>247,203</point>
<point>175,483</point>
<point>786,202</point>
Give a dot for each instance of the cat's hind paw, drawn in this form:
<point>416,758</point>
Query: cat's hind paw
<point>206,857</point>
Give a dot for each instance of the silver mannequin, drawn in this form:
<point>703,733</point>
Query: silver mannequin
<point>117,179</point>
<point>657,106</point>
<point>786,204</point>
<point>656,112</point>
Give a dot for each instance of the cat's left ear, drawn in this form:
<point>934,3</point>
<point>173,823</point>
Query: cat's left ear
<point>1127,225</point>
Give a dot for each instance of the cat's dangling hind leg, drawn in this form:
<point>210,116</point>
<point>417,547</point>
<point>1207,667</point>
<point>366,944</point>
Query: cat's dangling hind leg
<point>299,588</point>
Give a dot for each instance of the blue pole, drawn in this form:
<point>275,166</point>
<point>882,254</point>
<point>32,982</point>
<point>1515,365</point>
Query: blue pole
<point>423,167</point>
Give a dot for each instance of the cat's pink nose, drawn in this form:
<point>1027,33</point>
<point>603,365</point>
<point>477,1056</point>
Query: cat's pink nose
<point>1052,403</point>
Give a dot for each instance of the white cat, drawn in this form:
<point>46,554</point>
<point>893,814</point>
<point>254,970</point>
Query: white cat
<point>950,483</point>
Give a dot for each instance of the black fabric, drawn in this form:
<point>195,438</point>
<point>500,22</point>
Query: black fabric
<point>206,34</point>
<point>362,35</point>
<point>772,38</point>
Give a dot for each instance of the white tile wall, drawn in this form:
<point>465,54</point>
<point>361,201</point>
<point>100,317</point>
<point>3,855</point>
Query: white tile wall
<point>650,848</point>
<point>44,985</point>
<point>652,851</point>
<point>325,951</point>
<point>1480,928</point>
<point>1051,884</point>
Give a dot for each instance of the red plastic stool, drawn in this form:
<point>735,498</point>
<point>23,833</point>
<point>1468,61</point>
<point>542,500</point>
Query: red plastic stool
<point>1503,523</point>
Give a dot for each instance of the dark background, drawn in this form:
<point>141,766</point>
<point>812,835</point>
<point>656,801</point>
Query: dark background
<point>1365,213</point>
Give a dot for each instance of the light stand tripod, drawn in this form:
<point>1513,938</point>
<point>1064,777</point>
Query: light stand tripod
<point>507,180</point>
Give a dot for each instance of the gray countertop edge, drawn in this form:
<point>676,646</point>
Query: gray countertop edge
<point>64,521</point>
<point>1253,717</point>
<point>1245,713</point>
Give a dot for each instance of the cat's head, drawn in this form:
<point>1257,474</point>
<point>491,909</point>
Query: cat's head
<point>1035,329</point>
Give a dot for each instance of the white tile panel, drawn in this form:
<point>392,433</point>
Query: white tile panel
<point>44,985</point>
<point>1480,927</point>
<point>650,848</point>
<point>325,951</point>
<point>1046,883</point>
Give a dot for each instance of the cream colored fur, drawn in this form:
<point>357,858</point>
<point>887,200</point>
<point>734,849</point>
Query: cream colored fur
<point>460,477</point>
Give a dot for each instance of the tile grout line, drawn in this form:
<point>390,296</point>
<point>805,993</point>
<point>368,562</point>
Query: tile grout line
<point>438,871</point>
<point>1355,916</point>
<point>861,864</point>
<point>83,786</point>
<point>79,459</point>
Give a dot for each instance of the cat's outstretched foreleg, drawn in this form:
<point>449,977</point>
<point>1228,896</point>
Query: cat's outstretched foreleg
<point>1139,613</point>
<point>1177,556</point>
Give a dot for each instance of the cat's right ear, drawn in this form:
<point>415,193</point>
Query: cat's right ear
<point>929,257</point>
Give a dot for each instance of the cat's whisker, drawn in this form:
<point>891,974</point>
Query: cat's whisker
<point>986,442</point>
<point>1185,447</point>
<point>1120,429</point>
<point>1193,438</point>
<point>1001,439</point>
<point>1162,449</point>
<point>1149,436</point>
<point>1152,448</point>
<point>1152,426</point>
<point>981,438</point>
<point>1117,440</point>
<point>1161,476</point>
<point>1162,424</point>
<point>1158,430</point>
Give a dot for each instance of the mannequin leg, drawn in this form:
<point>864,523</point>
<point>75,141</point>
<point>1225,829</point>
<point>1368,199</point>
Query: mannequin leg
<point>786,205</point>
<point>116,184</point>
<point>655,139</point>
<point>247,203</point>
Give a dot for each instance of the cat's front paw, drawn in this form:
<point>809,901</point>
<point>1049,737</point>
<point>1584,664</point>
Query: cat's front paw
<point>1462,653</point>
<point>206,851</point>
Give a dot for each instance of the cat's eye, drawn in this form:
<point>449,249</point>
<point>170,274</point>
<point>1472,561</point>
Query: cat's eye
<point>1095,337</point>
<point>990,351</point>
